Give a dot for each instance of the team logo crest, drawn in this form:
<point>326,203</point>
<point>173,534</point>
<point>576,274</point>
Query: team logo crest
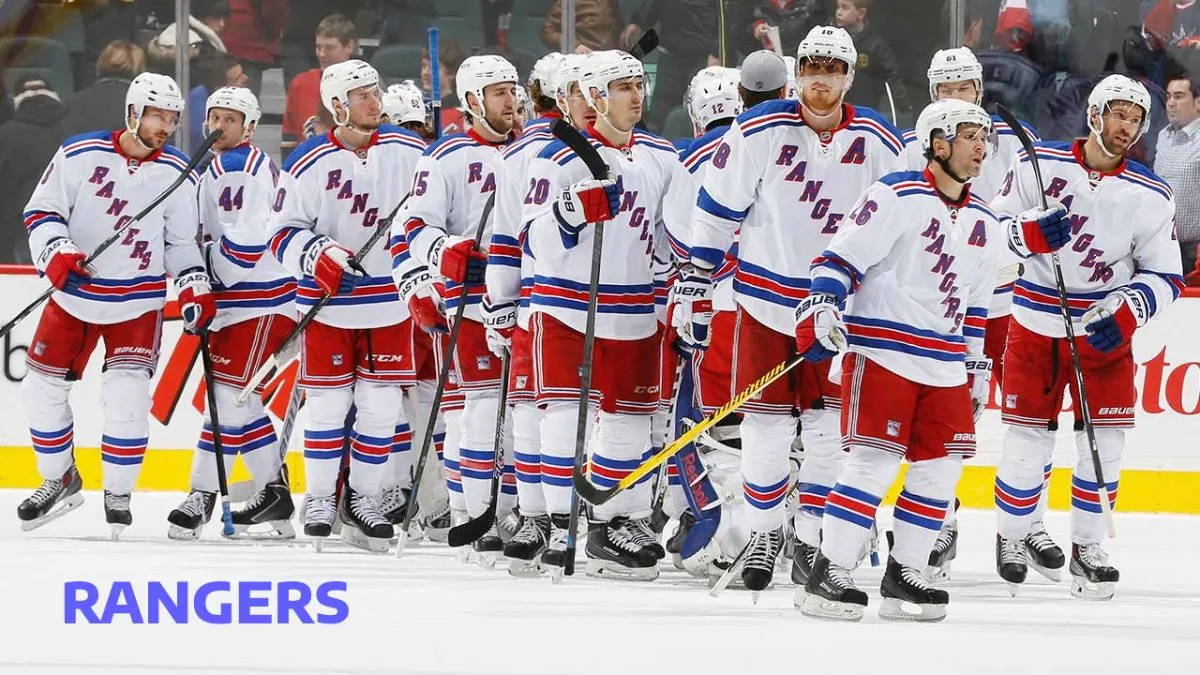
<point>39,348</point>
<point>1010,400</point>
<point>337,359</point>
<point>522,381</point>
<point>483,362</point>
<point>826,136</point>
<point>893,428</point>
<point>1094,176</point>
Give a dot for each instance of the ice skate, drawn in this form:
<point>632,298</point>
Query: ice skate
<point>1092,578</point>
<point>905,587</point>
<point>830,593</point>
<point>675,541</point>
<point>803,557</point>
<point>319,513</point>
<point>507,525</point>
<point>363,526</point>
<point>650,538</point>
<point>116,513</point>
<point>945,549</point>
<point>436,525</point>
<point>271,506</point>
<point>524,551</point>
<point>457,518</point>
<point>759,566</point>
<point>617,549</point>
<point>1044,556</point>
<point>394,503</point>
<point>1010,562</point>
<point>489,547</point>
<point>554,559</point>
<point>54,499</point>
<point>189,518</point>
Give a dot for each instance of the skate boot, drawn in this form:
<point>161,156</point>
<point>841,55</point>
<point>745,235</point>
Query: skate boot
<point>319,513</point>
<point>1045,557</point>
<point>363,526</point>
<point>830,593</point>
<point>554,559</point>
<point>436,525</point>
<point>525,549</point>
<point>616,549</point>
<point>675,542</point>
<point>649,537</point>
<point>116,513</point>
<point>1092,578</point>
<point>488,547</point>
<point>1010,562</point>
<point>457,518</point>
<point>189,518</point>
<point>508,525</point>
<point>945,549</point>
<point>902,584</point>
<point>54,499</point>
<point>759,566</point>
<point>272,505</point>
<point>803,557</point>
<point>394,503</point>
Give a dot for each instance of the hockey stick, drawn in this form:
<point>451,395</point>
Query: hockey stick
<point>291,344</point>
<point>195,160</point>
<point>443,374</point>
<point>645,44</point>
<point>596,496</point>
<point>1068,324</point>
<point>435,83</point>
<point>218,452</point>
<point>468,532</point>
<point>891,103</point>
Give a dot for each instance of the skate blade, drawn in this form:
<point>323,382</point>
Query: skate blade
<point>117,529</point>
<point>602,569</point>
<point>487,559</point>
<point>354,537</point>
<point>463,554</point>
<point>1098,591</point>
<point>935,574</point>
<point>816,607</point>
<point>1012,588</point>
<point>437,534</point>
<point>894,609</point>
<point>1054,575</point>
<point>64,507</point>
<point>526,569</point>
<point>178,533</point>
<point>556,573</point>
<point>318,543</point>
<point>281,530</point>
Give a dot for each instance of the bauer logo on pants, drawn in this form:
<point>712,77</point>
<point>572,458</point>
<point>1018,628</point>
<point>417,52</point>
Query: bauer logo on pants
<point>214,602</point>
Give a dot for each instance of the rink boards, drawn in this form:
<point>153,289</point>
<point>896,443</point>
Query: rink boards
<point>1162,458</point>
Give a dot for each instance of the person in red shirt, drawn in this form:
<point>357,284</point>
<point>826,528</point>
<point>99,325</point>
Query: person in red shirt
<point>336,42</point>
<point>252,34</point>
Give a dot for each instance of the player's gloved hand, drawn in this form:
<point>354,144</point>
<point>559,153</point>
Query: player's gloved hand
<point>1110,322</point>
<point>197,304</point>
<point>820,332</point>
<point>979,380</point>
<point>423,295</point>
<point>458,260</point>
<point>62,264</point>
<point>331,266</point>
<point>588,201</point>
<point>500,320</point>
<point>693,294</point>
<point>1045,230</point>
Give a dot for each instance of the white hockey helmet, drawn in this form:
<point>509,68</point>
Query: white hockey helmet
<point>955,65</point>
<point>945,116</point>
<point>793,88</point>
<point>338,80</point>
<point>150,90</point>
<point>404,103</point>
<point>544,71</point>
<point>713,95</point>
<point>829,42</point>
<point>600,69</point>
<point>567,74</point>
<point>240,99</point>
<point>1118,88</point>
<point>477,73</point>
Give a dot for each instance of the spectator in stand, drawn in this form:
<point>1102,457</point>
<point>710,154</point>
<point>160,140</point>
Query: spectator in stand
<point>793,18</point>
<point>102,105</point>
<point>597,26</point>
<point>6,106</point>
<point>1010,77</point>
<point>204,27</point>
<point>212,72</point>
<point>27,143</point>
<point>876,62</point>
<point>1173,23</point>
<point>336,42</point>
<point>295,47</point>
<point>450,57</point>
<point>1177,161</point>
<point>104,21</point>
<point>252,35</point>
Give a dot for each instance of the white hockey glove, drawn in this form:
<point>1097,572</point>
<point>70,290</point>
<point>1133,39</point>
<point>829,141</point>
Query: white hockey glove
<point>692,294</point>
<point>500,320</point>
<point>979,379</point>
<point>588,201</point>
<point>197,304</point>
<point>820,332</point>
<point>423,296</point>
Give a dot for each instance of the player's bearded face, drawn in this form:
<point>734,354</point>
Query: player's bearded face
<point>822,83</point>
<point>968,150</point>
<point>500,106</point>
<point>1122,119</point>
<point>156,126</point>
<point>366,107</point>
<point>625,101</point>
<point>230,123</point>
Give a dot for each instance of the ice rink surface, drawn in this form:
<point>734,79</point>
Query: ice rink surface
<point>429,613</point>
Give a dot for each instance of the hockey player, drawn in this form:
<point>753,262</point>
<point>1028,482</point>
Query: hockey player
<point>358,350</point>
<point>1111,221</point>
<point>450,191</point>
<point>914,267</point>
<point>563,203</point>
<point>93,186</point>
<point>820,153</point>
<point>404,107</point>
<point>255,313</point>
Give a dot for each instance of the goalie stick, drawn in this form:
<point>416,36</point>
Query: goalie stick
<point>1065,309</point>
<point>197,157</point>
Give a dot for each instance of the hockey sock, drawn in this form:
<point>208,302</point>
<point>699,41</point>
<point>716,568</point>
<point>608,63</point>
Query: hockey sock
<point>477,455</point>
<point>527,458</point>
<point>323,438</point>
<point>851,505</point>
<point>50,423</point>
<point>922,507</point>
<point>398,470</point>
<point>766,442</point>
<point>126,406</point>
<point>1087,518</point>
<point>380,407</point>
<point>820,430</point>
<point>624,443</point>
<point>1019,478</point>
<point>558,455</point>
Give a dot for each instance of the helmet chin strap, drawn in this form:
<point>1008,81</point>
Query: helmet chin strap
<point>135,131</point>
<point>945,164</point>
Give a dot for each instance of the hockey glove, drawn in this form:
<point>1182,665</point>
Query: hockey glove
<point>423,296</point>
<point>500,320</point>
<point>693,294</point>
<point>1110,322</point>
<point>588,201</point>
<point>820,333</point>
<point>331,266</point>
<point>979,380</point>
<point>458,260</point>
<point>197,304</point>
<point>62,263</point>
<point>1043,230</point>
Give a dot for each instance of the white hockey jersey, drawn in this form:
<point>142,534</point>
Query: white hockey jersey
<point>986,186</point>
<point>450,189</point>
<point>89,190</point>
<point>800,183</point>
<point>509,273</point>
<point>1122,235</point>
<point>329,189</point>
<point>632,277</point>
<point>236,193</point>
<point>920,271</point>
